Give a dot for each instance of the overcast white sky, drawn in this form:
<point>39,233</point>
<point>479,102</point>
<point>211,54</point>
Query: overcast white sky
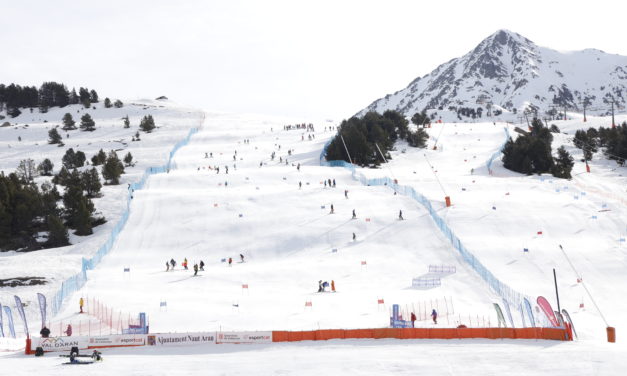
<point>320,59</point>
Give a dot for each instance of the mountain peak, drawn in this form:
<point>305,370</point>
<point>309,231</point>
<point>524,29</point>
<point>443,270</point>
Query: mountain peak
<point>510,71</point>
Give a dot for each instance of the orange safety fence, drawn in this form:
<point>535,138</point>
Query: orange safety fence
<point>422,333</point>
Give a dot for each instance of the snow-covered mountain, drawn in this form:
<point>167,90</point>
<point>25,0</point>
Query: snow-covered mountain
<point>508,71</point>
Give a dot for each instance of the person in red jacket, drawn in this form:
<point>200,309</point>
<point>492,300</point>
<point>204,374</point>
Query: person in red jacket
<point>413,319</point>
<point>68,331</point>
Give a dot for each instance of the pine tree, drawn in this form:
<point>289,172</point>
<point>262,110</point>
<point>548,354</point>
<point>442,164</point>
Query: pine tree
<point>99,158</point>
<point>93,96</point>
<point>128,159</point>
<point>127,122</point>
<point>563,164</point>
<point>68,122</point>
<point>147,124</point>
<point>73,97</point>
<point>69,159</point>
<point>112,169</point>
<point>118,104</point>
<point>91,182</point>
<point>54,136</point>
<point>418,138</point>
<point>45,167</point>
<point>62,177</point>
<point>57,233</point>
<point>82,220</point>
<point>107,103</point>
<point>87,123</point>
<point>74,201</point>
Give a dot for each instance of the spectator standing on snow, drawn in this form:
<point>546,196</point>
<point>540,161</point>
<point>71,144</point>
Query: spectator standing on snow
<point>332,211</point>
<point>333,183</point>
<point>68,331</point>
<point>413,318</point>
<point>44,332</point>
<point>354,215</point>
<point>320,286</point>
<point>332,286</point>
<point>80,304</point>
<point>434,316</point>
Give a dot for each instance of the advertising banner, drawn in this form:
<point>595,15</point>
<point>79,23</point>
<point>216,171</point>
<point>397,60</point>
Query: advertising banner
<point>117,340</point>
<point>42,308</point>
<point>60,343</point>
<point>244,337</point>
<point>20,310</point>
<point>181,339</point>
<point>9,315</point>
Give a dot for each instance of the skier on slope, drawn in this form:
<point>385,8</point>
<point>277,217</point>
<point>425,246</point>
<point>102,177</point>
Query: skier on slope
<point>434,316</point>
<point>325,284</point>
<point>320,286</point>
<point>173,263</point>
<point>195,269</point>
<point>241,256</point>
<point>185,263</point>
<point>354,215</point>
<point>400,215</point>
<point>230,261</point>
<point>167,266</point>
<point>202,265</point>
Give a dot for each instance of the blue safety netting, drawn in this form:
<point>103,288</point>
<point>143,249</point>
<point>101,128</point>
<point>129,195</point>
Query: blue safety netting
<point>77,281</point>
<point>504,291</point>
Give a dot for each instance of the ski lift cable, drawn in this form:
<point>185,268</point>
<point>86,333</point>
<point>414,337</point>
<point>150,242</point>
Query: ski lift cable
<point>434,174</point>
<point>439,134</point>
<point>386,161</point>
<point>584,285</point>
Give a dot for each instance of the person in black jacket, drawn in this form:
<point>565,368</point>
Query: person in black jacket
<point>45,332</point>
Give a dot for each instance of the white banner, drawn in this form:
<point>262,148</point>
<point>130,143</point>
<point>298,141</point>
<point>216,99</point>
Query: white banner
<point>244,337</point>
<point>117,340</point>
<point>181,339</point>
<point>60,343</point>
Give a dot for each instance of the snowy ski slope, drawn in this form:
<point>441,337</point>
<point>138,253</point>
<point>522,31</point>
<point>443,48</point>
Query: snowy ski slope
<point>288,241</point>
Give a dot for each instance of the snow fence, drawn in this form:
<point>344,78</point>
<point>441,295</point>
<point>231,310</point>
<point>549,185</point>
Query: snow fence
<point>513,297</point>
<point>77,281</point>
<point>204,339</point>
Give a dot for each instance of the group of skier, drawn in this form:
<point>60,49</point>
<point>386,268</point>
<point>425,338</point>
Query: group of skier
<point>322,286</point>
<point>169,265</point>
